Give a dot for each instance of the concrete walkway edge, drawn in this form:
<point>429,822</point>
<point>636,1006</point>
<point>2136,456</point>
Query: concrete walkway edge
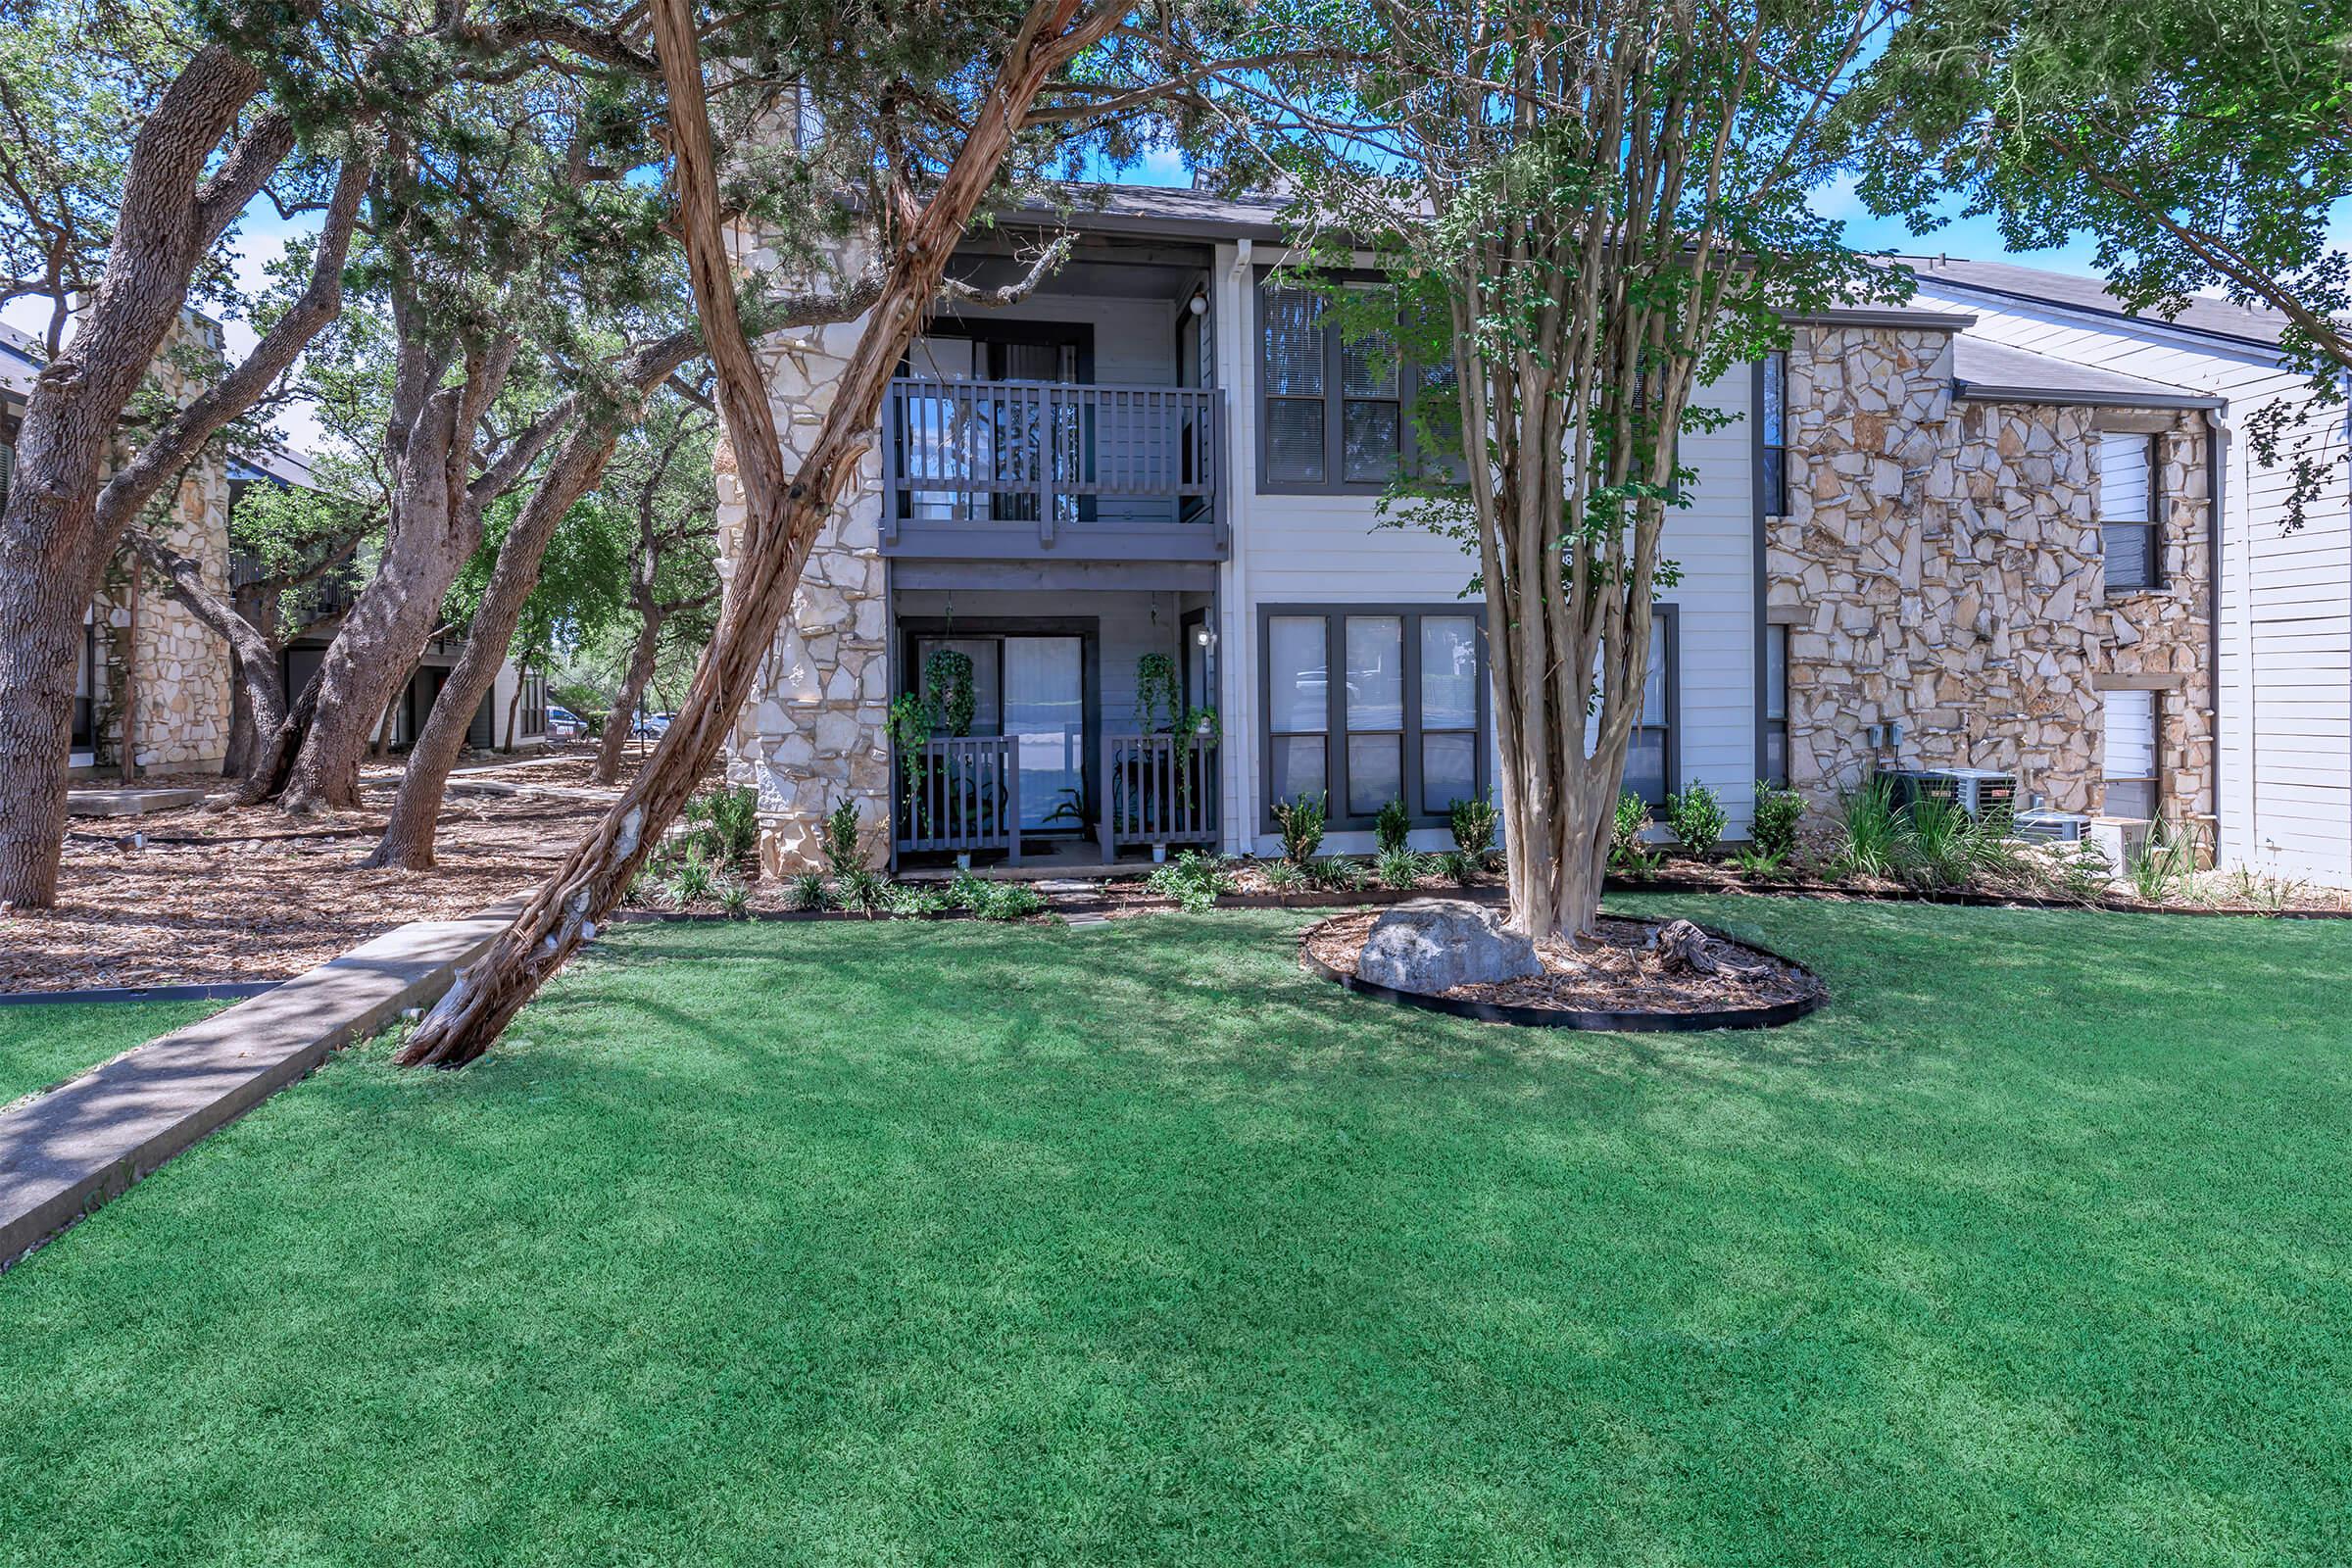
<point>68,1152</point>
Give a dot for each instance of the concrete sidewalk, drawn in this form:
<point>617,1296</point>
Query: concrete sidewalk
<point>69,1151</point>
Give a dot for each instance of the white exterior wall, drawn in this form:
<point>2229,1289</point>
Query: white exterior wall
<point>1292,549</point>
<point>2284,600</point>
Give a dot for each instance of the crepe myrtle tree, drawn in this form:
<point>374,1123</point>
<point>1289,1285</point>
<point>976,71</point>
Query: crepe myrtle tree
<point>1590,212</point>
<point>2204,146</point>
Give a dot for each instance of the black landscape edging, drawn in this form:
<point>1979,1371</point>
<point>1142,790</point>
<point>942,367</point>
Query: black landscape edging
<point>1343,897</point>
<point>1960,897</point>
<point>1771,1018</point>
<point>223,991</point>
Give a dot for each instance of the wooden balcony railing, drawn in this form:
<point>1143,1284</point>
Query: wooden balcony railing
<point>1158,789</point>
<point>995,455</point>
<point>960,793</point>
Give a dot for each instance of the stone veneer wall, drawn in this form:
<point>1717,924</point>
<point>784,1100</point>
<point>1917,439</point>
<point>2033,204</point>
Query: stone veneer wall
<point>182,669</point>
<point>816,729</point>
<point>1940,566</point>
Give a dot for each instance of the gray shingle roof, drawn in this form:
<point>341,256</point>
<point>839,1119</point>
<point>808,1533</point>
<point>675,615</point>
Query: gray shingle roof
<point>2000,373</point>
<point>2039,285</point>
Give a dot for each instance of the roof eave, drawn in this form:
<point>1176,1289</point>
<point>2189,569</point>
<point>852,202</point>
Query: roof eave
<point>2077,397</point>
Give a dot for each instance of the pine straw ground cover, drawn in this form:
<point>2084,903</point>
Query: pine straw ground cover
<point>915,1241</point>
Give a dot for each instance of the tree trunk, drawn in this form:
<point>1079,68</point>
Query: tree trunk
<point>616,743</point>
<point>259,694</point>
<point>781,518</point>
<point>514,707</point>
<point>407,838</point>
<point>52,550</point>
<point>436,525</point>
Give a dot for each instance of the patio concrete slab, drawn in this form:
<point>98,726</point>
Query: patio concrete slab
<point>69,1151</point>
<point>129,801</point>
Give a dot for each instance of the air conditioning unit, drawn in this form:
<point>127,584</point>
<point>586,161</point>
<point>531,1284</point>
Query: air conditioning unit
<point>1978,790</point>
<point>2053,827</point>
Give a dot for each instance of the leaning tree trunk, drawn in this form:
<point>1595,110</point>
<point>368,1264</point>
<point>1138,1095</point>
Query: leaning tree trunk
<point>407,838</point>
<point>614,744</point>
<point>260,691</point>
<point>781,519</point>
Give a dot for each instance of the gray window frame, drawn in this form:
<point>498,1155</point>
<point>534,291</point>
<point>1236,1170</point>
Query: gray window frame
<point>1766,725</point>
<point>1670,619</point>
<point>2150,529</point>
<point>2154,781</point>
<point>1409,391</point>
<point>1334,697</point>
<point>1771,478</point>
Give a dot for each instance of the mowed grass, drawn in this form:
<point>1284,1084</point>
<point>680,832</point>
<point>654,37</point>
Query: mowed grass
<point>940,1243</point>
<point>43,1043</point>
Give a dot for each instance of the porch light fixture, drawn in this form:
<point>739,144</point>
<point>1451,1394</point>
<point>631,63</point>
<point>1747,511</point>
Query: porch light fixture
<point>1197,303</point>
<point>1204,636</point>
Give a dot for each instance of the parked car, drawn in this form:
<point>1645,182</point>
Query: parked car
<point>651,726</point>
<point>563,725</point>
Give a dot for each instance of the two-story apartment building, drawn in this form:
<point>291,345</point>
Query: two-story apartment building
<point>1914,542</point>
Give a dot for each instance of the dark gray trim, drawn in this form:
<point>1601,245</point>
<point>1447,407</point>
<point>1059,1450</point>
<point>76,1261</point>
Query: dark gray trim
<point>1122,542</point>
<point>1334,734</point>
<point>1761,547</point>
<point>1986,392</point>
<point>1892,316</point>
<point>1088,629</point>
<point>1334,401</point>
<point>1670,617</point>
<point>1053,575</point>
<point>2215,491</point>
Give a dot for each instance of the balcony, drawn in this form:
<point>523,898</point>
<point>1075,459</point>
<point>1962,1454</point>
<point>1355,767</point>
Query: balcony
<point>1010,470</point>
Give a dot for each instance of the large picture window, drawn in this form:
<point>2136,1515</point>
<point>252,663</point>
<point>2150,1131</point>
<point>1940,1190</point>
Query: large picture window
<point>1332,412</point>
<point>1406,719</point>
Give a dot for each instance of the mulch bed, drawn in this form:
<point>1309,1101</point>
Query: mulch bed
<point>1617,982</point>
<point>196,897</point>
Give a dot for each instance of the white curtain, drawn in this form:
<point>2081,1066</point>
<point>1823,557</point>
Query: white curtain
<point>1044,705</point>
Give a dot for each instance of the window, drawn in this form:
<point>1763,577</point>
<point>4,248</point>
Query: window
<point>1772,434</point>
<point>1649,755</point>
<point>8,469</point>
<point>2130,757</point>
<point>534,703</point>
<point>2129,511</point>
<point>1331,411</point>
<point>1405,721</point>
<point>1775,704</point>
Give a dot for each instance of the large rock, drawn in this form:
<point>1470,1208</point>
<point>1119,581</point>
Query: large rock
<point>1432,945</point>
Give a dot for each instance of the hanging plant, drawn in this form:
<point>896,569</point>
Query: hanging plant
<point>1194,726</point>
<point>954,696</point>
<point>1158,692</point>
<point>911,732</point>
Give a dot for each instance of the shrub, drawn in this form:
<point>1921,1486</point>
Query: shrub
<point>1872,836</point>
<point>1755,863</point>
<point>725,825</point>
<point>1286,876</point>
<point>1457,866</point>
<point>806,891</point>
<point>1342,875</point>
<point>1774,828</point>
<point>1473,823</point>
<point>861,891</point>
<point>1401,867</point>
<point>1193,879</point>
<point>1010,901</point>
<point>1696,819</point>
<point>1301,821</point>
<point>968,892</point>
<point>690,880</point>
<point>1392,825</point>
<point>914,902</point>
<point>2078,871</point>
<point>735,899</point>
<point>837,839</point>
<point>2164,862</point>
<point>1936,850</point>
<point>1627,852</point>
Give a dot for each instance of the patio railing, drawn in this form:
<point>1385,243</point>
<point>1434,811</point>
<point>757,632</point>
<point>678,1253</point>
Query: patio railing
<point>1158,789</point>
<point>960,793</point>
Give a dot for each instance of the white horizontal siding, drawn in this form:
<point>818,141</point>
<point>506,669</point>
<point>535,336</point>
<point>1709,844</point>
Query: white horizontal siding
<point>1336,550</point>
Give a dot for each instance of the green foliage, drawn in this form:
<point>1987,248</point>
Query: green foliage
<point>1401,867</point>
<point>2080,870</point>
<point>1195,881</point>
<point>1473,823</point>
<point>724,824</point>
<point>1300,822</point>
<point>916,901</point>
<point>837,838</point>
<point>1873,834</point>
<point>735,899</point>
<point>950,690</point>
<point>1341,873</point>
<point>1286,876</point>
<point>1696,819</point>
<point>1158,694</point>
<point>1457,867</point>
<point>1393,824</point>
<point>861,891</point>
<point>995,901</point>
<point>1629,850</point>
<point>2165,863</point>
<point>690,879</point>
<point>1772,828</point>
<point>1760,865</point>
<point>806,890</point>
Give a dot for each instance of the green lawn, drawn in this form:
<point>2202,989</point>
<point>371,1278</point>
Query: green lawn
<point>44,1042</point>
<point>866,1244</point>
